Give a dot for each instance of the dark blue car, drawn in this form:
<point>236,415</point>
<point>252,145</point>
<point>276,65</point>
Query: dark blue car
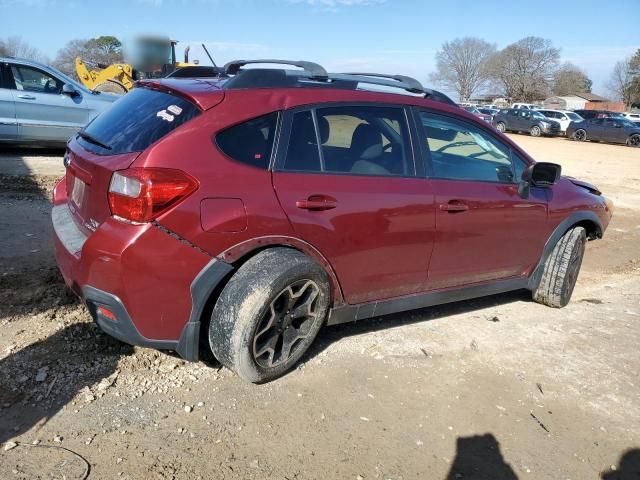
<point>614,130</point>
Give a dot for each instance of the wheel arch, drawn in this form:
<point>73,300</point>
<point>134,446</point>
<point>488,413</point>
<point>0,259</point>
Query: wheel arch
<point>209,283</point>
<point>586,219</point>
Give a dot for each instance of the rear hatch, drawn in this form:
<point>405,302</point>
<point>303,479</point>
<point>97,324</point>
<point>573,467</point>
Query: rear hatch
<point>112,142</point>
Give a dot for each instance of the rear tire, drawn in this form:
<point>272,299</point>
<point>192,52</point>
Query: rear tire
<point>561,269</point>
<point>269,313</point>
<point>501,127</point>
<point>633,140</point>
<point>111,86</point>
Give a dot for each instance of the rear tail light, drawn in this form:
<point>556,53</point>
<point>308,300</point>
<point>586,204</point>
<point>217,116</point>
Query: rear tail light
<point>139,195</point>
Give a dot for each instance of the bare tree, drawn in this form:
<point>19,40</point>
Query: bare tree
<point>99,51</point>
<point>570,79</point>
<point>16,47</point>
<point>524,70</point>
<point>619,81</point>
<point>462,65</point>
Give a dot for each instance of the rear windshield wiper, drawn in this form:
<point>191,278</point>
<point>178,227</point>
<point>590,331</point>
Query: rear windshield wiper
<point>90,138</point>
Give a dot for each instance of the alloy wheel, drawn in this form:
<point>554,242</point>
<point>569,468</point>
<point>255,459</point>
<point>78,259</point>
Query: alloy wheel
<point>580,135</point>
<point>288,321</point>
<point>634,140</point>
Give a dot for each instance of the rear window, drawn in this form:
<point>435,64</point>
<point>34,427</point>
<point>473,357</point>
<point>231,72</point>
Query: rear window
<point>134,122</point>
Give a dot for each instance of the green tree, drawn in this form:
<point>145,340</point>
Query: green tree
<point>569,79</point>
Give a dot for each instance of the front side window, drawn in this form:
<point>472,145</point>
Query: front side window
<point>358,140</point>
<point>28,79</point>
<point>462,151</point>
<point>250,142</point>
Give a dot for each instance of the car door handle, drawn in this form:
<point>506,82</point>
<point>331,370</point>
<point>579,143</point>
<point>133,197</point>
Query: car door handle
<point>317,203</point>
<point>26,97</point>
<point>454,207</point>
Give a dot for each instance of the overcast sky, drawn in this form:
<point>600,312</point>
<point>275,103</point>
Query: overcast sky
<point>387,36</point>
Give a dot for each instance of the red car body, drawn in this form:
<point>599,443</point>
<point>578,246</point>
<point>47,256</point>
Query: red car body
<point>387,243</point>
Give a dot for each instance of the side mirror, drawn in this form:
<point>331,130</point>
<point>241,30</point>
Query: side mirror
<point>541,174</point>
<point>69,90</point>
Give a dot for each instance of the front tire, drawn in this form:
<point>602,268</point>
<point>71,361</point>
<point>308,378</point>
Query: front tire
<point>501,127</point>
<point>580,135</point>
<point>269,313</point>
<point>561,269</point>
<point>535,131</point>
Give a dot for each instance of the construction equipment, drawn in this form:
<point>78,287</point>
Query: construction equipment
<point>150,58</point>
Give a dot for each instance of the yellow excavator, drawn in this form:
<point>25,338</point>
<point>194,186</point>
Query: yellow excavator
<point>151,58</point>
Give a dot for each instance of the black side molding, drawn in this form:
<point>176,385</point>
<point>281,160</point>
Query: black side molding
<point>201,288</point>
<point>351,313</point>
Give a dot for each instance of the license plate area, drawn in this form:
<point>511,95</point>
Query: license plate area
<point>78,191</point>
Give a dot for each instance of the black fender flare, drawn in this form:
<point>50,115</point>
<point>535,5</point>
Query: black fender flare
<point>556,235</point>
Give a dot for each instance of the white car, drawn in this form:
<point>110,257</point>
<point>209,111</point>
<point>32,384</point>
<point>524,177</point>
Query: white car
<point>634,117</point>
<point>526,106</point>
<point>564,117</point>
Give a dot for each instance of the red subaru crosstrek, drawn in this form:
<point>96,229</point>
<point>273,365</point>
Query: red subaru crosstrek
<point>243,213</point>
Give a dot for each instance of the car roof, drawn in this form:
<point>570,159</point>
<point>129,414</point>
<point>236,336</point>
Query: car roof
<point>309,76</point>
<point>24,61</point>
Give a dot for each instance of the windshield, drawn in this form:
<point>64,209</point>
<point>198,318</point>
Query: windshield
<point>574,116</point>
<point>135,121</point>
<point>538,115</point>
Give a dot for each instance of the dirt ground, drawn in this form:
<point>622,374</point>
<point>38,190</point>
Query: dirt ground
<point>495,388</point>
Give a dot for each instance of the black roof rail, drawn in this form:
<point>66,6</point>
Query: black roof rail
<point>313,69</point>
<point>411,84</point>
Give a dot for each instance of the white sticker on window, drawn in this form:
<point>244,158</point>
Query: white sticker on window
<point>176,110</point>
<point>165,116</point>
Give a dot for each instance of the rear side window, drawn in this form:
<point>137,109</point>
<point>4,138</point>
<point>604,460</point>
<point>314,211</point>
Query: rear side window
<point>137,120</point>
<point>250,142</point>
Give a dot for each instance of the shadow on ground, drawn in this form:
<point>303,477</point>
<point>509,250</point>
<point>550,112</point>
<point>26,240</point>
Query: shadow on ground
<point>37,381</point>
<point>479,457</point>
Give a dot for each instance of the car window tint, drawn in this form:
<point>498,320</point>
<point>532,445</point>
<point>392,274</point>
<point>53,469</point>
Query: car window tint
<point>302,152</point>
<point>462,151</point>
<point>250,142</point>
<point>365,140</point>
<point>29,79</point>
<point>137,120</point>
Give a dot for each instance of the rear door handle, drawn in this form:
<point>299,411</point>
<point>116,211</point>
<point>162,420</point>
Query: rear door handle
<point>317,203</point>
<point>26,97</point>
<point>454,207</point>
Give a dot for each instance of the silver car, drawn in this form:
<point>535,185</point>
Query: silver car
<point>39,104</point>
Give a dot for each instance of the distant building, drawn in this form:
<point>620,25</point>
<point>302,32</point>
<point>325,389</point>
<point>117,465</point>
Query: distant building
<point>490,99</point>
<point>574,102</point>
